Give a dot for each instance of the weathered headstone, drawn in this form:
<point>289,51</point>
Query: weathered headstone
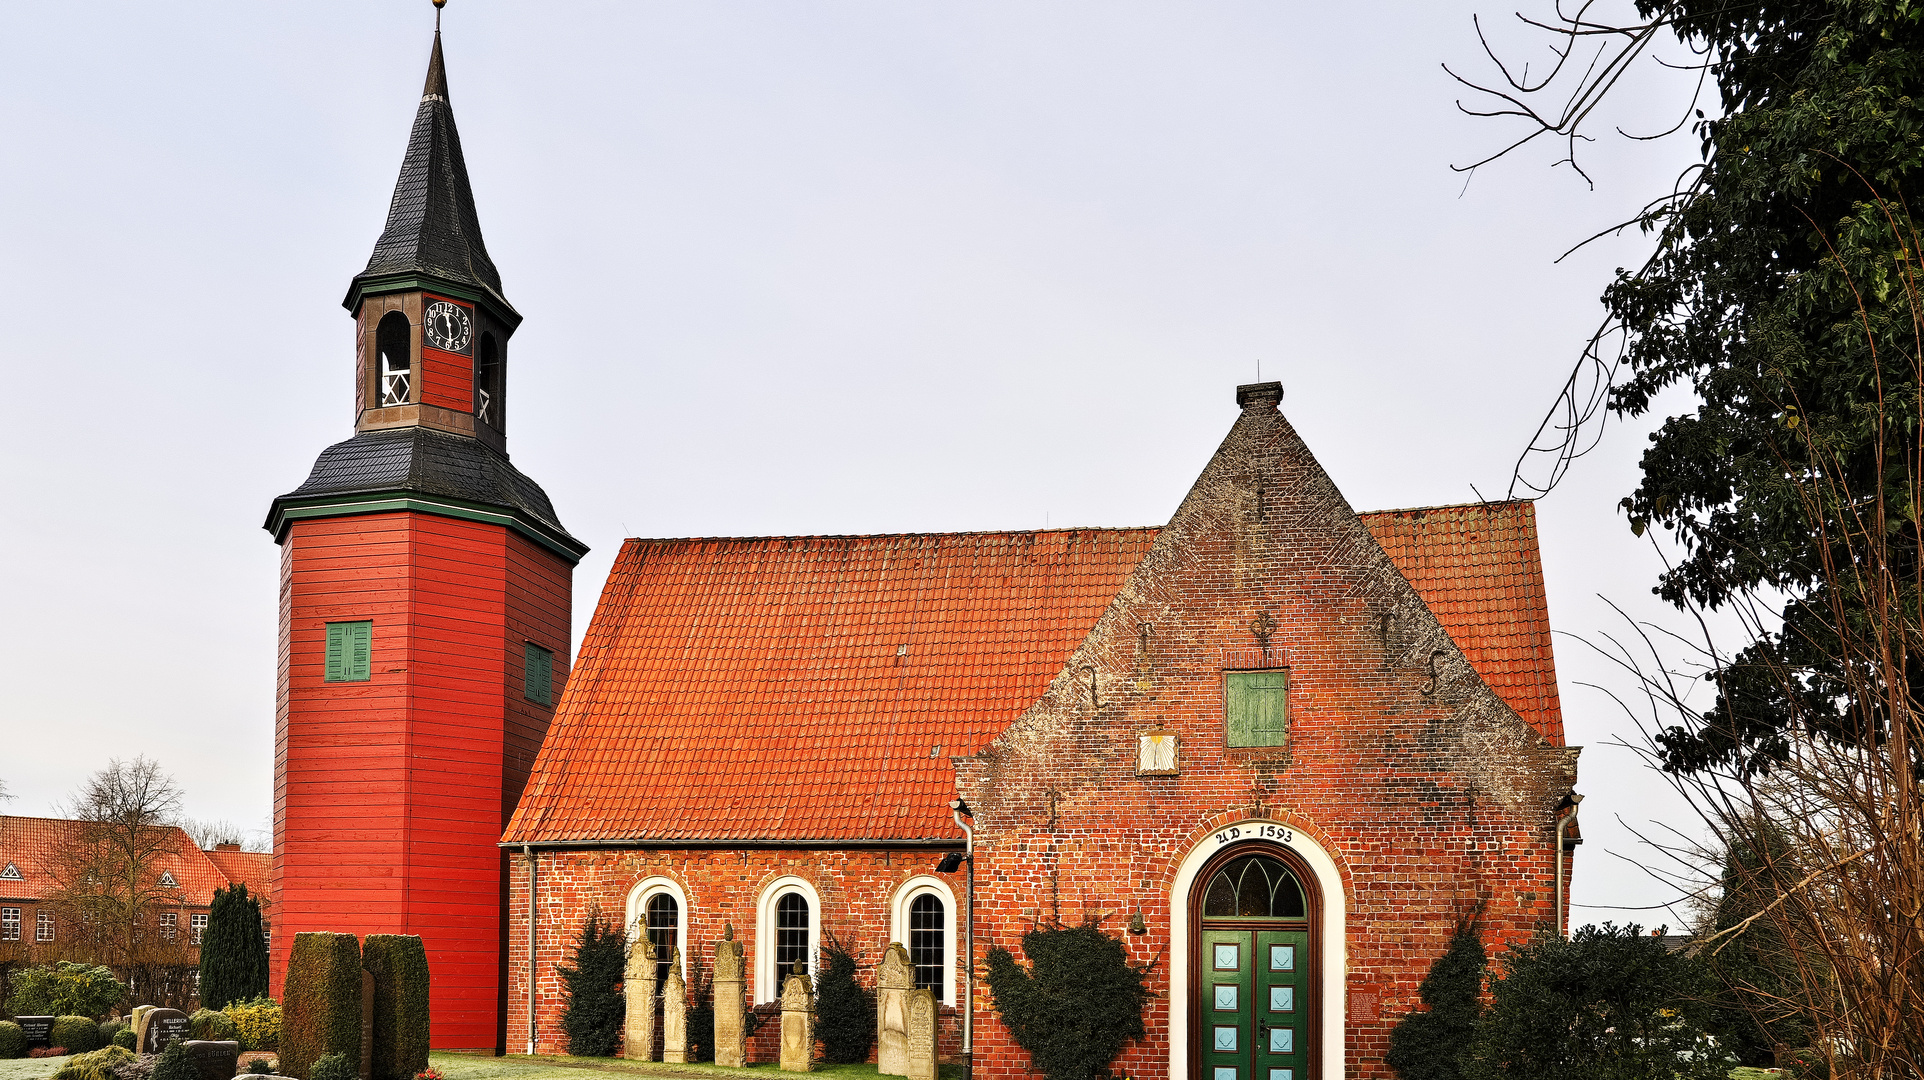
<point>798,1024</point>
<point>921,1025</point>
<point>674,1014</point>
<point>215,1059</point>
<point>731,1037</point>
<point>39,1030</point>
<point>892,982</point>
<point>638,1036</point>
<point>160,1029</point>
<point>134,1017</point>
<point>367,1025</point>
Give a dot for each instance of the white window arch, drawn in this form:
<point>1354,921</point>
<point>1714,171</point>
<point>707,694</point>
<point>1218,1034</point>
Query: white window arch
<point>770,933</point>
<point>906,918</point>
<point>636,917</point>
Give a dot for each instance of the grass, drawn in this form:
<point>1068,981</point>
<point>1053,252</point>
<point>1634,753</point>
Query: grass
<point>517,1067</point>
<point>30,1068</point>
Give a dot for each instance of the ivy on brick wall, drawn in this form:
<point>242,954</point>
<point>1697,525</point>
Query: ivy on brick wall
<point>1077,1003</point>
<point>595,1007</point>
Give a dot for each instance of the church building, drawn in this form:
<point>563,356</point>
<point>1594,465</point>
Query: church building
<point>1281,749</point>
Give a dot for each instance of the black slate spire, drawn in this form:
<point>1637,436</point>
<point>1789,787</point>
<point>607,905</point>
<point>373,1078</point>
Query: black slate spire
<point>432,227</point>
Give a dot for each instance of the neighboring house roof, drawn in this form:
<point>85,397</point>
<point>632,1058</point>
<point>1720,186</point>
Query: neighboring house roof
<point>254,869</point>
<point>32,845</point>
<point>754,689</point>
<point>1477,568</point>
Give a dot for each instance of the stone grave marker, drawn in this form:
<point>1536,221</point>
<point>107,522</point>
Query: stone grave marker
<point>674,1014</point>
<point>39,1030</point>
<point>892,982</point>
<point>731,1042</point>
<point>215,1059</point>
<point>798,1023</point>
<point>921,1035</point>
<point>638,1034</point>
<point>160,1029</point>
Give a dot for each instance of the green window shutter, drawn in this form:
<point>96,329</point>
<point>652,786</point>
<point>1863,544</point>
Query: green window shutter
<point>350,651</point>
<point>1256,708</point>
<point>537,681</point>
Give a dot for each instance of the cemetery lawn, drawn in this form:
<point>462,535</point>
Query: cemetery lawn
<point>521,1067</point>
<point>30,1068</point>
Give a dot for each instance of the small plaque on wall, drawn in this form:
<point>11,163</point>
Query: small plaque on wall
<point>1156,754</point>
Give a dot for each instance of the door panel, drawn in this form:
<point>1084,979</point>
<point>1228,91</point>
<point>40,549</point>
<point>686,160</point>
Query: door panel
<point>1228,1013</point>
<point>1282,987</point>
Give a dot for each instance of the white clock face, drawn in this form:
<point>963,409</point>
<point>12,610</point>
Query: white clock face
<point>448,327</point>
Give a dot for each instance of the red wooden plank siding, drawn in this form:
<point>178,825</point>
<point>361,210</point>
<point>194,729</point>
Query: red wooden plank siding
<point>449,380</point>
<point>392,794</point>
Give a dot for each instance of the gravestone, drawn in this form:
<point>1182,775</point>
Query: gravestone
<point>638,1035</point>
<point>134,1017</point>
<point>798,1024</point>
<point>367,1025</point>
<point>731,1039</point>
<point>892,982</point>
<point>921,1035</point>
<point>39,1030</point>
<point>674,1014</point>
<point>215,1059</point>
<point>160,1029</point>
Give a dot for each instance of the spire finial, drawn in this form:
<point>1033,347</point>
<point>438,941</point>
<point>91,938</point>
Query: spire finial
<point>438,5</point>
<point>437,84</point>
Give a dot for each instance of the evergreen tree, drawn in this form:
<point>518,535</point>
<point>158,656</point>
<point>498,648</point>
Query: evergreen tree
<point>1430,1045</point>
<point>596,1007</point>
<point>233,950</point>
<point>1757,994</point>
<point>844,1010</point>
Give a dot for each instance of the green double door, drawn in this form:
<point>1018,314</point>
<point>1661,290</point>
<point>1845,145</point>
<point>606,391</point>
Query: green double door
<point>1255,1005</point>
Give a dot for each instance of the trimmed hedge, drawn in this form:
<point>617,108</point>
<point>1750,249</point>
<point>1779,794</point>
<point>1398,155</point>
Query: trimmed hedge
<point>126,1038</point>
<point>212,1024</point>
<point>321,1013</point>
<point>399,964</point>
<point>333,1067</point>
<point>13,1039</point>
<point>78,1034</point>
<point>257,1023</point>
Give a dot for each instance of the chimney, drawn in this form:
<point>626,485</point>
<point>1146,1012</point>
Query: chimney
<point>1253,396</point>
<point>226,847</point>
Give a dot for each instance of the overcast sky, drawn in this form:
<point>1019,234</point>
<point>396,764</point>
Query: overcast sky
<point>787,268</point>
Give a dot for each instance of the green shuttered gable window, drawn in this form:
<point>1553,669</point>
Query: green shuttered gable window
<point>350,647</point>
<point>1256,706</point>
<point>537,684</point>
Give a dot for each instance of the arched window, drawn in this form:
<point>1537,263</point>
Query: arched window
<point>395,348</point>
<point>664,929</point>
<point>791,934</point>
<point>928,941</point>
<point>1254,886</point>
<point>487,381</point>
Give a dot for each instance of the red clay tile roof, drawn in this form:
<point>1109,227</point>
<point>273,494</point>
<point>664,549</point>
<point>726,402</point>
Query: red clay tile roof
<point>751,689</point>
<point>1477,568</point>
<point>28,842</point>
<point>255,869</point>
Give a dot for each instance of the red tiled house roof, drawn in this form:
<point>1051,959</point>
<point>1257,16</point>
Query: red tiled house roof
<point>255,869</point>
<point>31,844</point>
<point>756,689</point>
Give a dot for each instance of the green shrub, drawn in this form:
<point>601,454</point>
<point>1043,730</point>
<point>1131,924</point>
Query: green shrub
<point>13,1040</point>
<point>1430,1045</point>
<point>595,1008</point>
<point>126,1038</point>
<point>233,951</point>
<point>1607,1003</point>
<point>94,1065</point>
<point>212,1024</point>
<point>399,964</point>
<point>64,989</point>
<point>261,1067</point>
<point>257,1023</point>
<point>79,1034</point>
<point>844,1011</point>
<point>332,1067</point>
<point>174,1064</point>
<point>321,1013</point>
<point>109,1029</point>
<point>1075,1006</point>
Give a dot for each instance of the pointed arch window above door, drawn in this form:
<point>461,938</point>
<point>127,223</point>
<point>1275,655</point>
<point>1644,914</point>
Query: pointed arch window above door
<point>1254,886</point>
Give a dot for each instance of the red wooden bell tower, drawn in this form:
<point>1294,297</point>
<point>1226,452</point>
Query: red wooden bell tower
<point>424,612</point>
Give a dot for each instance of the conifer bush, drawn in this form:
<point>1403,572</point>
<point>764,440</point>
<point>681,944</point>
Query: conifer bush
<point>125,1038</point>
<point>212,1024</point>
<point>174,1064</point>
<point>399,964</point>
<point>1076,1005</point>
<point>94,1065</point>
<point>595,1007</point>
<point>233,950</point>
<point>333,1066</point>
<point>79,1034</point>
<point>322,1010</point>
<point>13,1040</point>
<point>1430,1045</point>
<point>844,1010</point>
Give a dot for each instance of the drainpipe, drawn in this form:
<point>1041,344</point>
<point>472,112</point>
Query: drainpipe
<point>527,852</point>
<point>1564,821</point>
<point>957,809</point>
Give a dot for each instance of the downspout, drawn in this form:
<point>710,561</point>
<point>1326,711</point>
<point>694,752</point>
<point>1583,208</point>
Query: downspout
<point>957,809</point>
<point>1564,821</point>
<point>527,852</point>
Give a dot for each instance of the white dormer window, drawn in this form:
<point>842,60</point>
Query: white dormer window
<point>10,873</point>
<point>167,880</point>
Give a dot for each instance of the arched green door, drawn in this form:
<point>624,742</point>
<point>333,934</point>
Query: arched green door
<point>1252,991</point>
